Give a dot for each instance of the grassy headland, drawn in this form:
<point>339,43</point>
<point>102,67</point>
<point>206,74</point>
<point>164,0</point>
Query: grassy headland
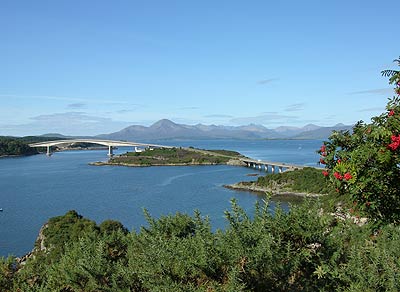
<point>303,182</point>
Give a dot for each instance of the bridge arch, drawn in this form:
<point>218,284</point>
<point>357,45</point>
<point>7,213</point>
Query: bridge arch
<point>109,143</point>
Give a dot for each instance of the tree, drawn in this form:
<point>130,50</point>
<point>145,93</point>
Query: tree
<point>365,163</point>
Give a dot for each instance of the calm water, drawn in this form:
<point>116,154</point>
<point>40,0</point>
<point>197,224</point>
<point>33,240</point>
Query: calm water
<point>32,189</point>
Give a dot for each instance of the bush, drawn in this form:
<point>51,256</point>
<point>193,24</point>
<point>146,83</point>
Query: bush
<point>365,164</point>
<point>308,180</point>
<point>301,250</point>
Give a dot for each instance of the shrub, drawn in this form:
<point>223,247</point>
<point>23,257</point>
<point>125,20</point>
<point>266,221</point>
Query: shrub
<point>365,164</point>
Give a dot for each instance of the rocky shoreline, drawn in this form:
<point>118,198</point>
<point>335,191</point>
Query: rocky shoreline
<point>276,191</point>
<point>39,247</point>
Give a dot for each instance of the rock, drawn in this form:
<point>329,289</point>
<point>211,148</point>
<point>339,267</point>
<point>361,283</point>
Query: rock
<point>39,246</point>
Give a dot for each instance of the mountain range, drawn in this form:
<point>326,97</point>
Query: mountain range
<point>166,129</point>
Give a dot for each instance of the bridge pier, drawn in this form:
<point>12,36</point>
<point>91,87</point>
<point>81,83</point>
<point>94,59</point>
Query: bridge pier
<point>275,166</point>
<point>110,151</point>
<point>48,152</point>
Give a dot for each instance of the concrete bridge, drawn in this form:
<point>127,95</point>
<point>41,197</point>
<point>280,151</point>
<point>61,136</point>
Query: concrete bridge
<point>266,165</point>
<point>109,143</point>
<point>256,164</point>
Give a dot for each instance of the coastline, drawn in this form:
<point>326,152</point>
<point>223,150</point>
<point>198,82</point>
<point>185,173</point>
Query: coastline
<point>253,187</point>
<point>232,162</point>
<point>17,155</point>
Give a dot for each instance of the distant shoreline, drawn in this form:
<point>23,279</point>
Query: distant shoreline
<point>16,155</point>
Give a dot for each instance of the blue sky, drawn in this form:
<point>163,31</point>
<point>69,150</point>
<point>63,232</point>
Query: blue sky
<point>89,67</point>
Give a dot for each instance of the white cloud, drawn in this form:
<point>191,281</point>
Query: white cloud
<point>265,118</point>
<point>87,100</point>
<point>68,123</point>
<point>189,108</point>
<point>267,81</point>
<point>380,91</point>
<point>295,107</point>
<point>372,109</point>
<point>222,116</point>
<point>77,105</point>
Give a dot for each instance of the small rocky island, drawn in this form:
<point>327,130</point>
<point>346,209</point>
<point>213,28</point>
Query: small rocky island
<point>176,156</point>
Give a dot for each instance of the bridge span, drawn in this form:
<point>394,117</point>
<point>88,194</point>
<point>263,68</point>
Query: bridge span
<point>109,143</point>
<point>266,165</point>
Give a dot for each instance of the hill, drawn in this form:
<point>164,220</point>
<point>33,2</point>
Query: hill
<point>166,129</point>
<point>322,133</point>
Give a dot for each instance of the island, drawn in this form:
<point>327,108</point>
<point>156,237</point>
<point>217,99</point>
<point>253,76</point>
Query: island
<point>175,156</point>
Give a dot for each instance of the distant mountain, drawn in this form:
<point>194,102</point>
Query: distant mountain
<point>61,136</point>
<point>55,135</point>
<point>289,132</point>
<point>166,129</point>
<point>322,132</point>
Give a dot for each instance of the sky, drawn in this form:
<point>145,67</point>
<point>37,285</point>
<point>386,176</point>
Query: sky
<point>91,67</point>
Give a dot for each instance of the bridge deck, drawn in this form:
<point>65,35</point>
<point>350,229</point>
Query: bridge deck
<point>95,141</point>
<point>277,164</point>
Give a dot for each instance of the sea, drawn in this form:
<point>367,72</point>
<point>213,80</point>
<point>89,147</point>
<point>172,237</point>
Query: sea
<point>36,188</point>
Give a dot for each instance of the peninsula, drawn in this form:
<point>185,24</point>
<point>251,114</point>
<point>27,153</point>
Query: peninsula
<point>306,182</point>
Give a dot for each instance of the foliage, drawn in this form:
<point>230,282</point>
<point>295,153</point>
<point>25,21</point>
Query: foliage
<point>226,152</point>
<point>300,250</point>
<point>19,146</point>
<point>110,226</point>
<point>365,164</point>
<point>308,180</point>
<point>13,146</point>
<point>67,228</point>
<point>36,139</point>
<point>7,273</point>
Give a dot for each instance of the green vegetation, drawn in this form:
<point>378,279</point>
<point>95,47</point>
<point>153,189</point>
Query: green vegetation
<point>364,165</point>
<point>302,250</point>
<point>14,146</point>
<point>10,146</point>
<point>228,153</point>
<point>179,156</point>
<point>292,186</point>
<point>307,180</point>
<point>67,228</point>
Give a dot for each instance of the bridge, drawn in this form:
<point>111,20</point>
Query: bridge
<point>110,143</point>
<point>249,162</point>
<point>266,165</point>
